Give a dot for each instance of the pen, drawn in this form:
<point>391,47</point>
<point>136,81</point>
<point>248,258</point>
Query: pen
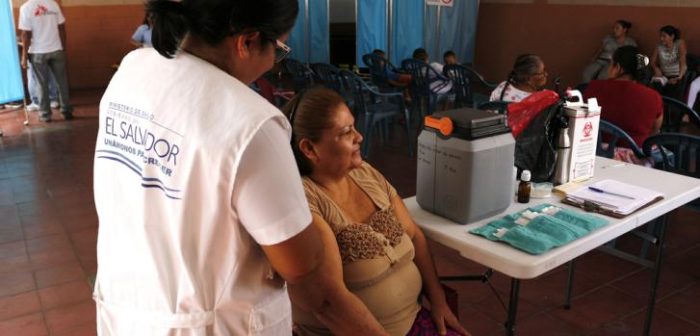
<point>610,193</point>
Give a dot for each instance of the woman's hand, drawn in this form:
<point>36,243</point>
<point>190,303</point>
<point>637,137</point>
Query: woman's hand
<point>443,317</point>
<point>674,81</point>
<point>440,312</point>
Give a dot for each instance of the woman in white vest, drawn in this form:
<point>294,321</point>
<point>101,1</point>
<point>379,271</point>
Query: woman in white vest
<point>204,227</point>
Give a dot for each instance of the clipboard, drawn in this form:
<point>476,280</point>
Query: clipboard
<point>612,198</point>
<point>589,206</point>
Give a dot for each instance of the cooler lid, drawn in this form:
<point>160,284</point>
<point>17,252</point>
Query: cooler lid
<point>470,123</point>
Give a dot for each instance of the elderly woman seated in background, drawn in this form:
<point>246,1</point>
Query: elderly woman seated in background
<point>598,69</point>
<point>366,227</point>
<point>669,62</point>
<point>528,76</point>
<point>635,108</point>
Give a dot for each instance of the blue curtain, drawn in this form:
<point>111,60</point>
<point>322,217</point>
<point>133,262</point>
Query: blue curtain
<point>371,27</point>
<point>457,30</point>
<point>11,87</point>
<point>296,38</point>
<point>407,29</point>
<point>319,32</point>
<point>316,29</point>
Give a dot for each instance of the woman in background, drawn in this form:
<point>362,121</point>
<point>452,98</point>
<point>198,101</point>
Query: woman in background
<point>528,76</point>
<point>598,69</point>
<point>635,108</point>
<point>669,63</point>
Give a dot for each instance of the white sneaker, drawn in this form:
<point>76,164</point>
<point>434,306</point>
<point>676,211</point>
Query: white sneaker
<point>54,105</point>
<point>32,107</point>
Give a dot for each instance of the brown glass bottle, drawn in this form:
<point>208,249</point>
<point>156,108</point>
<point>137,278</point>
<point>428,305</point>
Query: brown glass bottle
<point>524,187</point>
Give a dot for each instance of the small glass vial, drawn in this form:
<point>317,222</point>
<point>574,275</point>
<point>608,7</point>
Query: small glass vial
<point>524,187</point>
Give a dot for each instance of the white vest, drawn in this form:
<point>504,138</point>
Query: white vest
<point>173,258</point>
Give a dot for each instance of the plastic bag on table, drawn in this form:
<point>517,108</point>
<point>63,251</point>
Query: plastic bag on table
<point>521,113</point>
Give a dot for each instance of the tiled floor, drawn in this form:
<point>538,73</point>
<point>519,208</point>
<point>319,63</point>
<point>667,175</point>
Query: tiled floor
<point>48,232</point>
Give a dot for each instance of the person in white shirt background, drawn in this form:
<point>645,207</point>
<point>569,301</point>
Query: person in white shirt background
<point>43,34</point>
<point>669,63</point>
<point>438,83</point>
<point>204,228</point>
<point>449,57</point>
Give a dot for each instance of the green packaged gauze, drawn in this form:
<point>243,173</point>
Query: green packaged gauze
<point>540,228</point>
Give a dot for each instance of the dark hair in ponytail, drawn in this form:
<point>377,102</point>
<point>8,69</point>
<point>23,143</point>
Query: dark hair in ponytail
<point>169,25</point>
<point>624,24</point>
<point>631,61</point>
<point>214,20</point>
<point>525,66</point>
<point>671,31</point>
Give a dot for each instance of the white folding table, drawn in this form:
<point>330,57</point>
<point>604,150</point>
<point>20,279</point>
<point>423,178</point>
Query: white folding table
<point>677,189</point>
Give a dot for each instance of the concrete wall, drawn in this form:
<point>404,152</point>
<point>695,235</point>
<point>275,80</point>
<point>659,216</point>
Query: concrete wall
<point>566,33</point>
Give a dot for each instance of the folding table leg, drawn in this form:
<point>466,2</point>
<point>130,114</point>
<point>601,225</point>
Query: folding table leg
<point>656,275</point>
<point>569,286</point>
<point>512,306</point>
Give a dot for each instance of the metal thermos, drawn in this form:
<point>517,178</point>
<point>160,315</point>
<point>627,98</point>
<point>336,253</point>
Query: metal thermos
<point>561,175</point>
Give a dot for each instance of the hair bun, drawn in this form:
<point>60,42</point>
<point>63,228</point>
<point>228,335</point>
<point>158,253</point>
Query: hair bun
<point>642,61</point>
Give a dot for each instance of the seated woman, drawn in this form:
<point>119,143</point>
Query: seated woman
<point>669,63</point>
<point>635,108</point>
<point>598,69</point>
<point>366,227</point>
<point>528,76</point>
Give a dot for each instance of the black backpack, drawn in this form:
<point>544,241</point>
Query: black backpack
<point>536,146</point>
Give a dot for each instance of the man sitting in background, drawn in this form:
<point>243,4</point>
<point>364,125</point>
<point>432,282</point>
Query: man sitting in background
<point>394,77</point>
<point>438,83</point>
<point>449,57</point>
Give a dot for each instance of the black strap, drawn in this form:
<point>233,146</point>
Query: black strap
<point>503,92</point>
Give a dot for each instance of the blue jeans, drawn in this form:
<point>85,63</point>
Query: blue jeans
<point>53,63</point>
